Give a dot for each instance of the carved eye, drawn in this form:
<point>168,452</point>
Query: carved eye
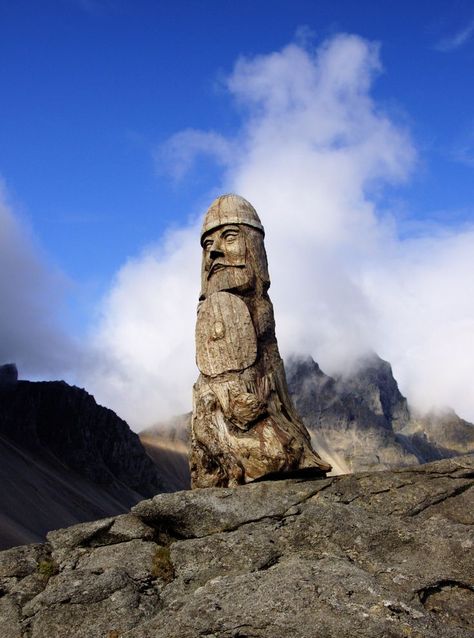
<point>207,244</point>
<point>230,235</point>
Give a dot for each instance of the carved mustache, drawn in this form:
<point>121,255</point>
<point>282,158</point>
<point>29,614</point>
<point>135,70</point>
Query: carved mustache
<point>220,265</point>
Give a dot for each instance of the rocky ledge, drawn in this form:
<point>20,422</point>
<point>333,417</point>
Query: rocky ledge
<point>383,554</point>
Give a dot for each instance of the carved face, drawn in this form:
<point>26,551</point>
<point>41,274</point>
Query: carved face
<point>231,256</point>
<point>224,248</point>
<point>224,259</point>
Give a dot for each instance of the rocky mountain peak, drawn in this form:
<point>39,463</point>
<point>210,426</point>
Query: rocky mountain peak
<point>361,420</point>
<point>373,380</point>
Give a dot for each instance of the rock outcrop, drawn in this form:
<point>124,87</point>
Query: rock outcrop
<point>64,459</point>
<point>363,555</point>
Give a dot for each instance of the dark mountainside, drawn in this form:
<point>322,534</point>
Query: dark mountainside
<point>64,459</point>
<point>372,555</point>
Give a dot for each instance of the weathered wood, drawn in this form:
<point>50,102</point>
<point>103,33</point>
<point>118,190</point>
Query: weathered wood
<point>244,425</point>
<point>225,336</point>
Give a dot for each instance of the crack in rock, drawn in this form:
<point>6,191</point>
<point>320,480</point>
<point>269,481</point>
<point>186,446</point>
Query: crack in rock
<point>439,499</point>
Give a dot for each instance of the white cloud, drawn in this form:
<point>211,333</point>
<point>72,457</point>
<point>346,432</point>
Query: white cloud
<point>144,344</point>
<point>31,297</point>
<point>457,40</point>
<point>313,149</point>
<point>179,154</point>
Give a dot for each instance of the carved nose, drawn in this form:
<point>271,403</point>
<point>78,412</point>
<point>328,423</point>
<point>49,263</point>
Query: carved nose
<point>215,253</point>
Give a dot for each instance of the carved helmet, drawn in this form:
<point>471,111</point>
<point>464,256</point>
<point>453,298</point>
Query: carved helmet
<point>230,209</point>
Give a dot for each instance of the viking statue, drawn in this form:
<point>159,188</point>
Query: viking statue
<point>244,425</point>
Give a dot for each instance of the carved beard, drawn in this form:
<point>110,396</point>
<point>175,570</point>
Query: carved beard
<point>231,278</point>
<point>240,278</point>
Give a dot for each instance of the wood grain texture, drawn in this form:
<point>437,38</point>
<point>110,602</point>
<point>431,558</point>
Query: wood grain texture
<point>244,425</point>
<point>225,336</point>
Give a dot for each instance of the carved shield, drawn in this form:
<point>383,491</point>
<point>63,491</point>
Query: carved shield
<point>225,336</point>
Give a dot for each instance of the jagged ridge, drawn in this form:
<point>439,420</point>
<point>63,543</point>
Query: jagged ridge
<point>361,420</point>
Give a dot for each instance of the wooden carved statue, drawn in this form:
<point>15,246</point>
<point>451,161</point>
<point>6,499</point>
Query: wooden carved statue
<point>244,425</point>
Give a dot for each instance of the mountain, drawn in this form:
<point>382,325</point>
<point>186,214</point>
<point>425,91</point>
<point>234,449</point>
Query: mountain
<point>361,421</point>
<point>358,421</point>
<point>167,445</point>
<point>64,459</point>
<point>363,555</point>
<point>443,433</point>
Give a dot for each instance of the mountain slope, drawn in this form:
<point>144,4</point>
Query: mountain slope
<point>39,493</point>
<point>167,443</point>
<point>64,459</point>
<point>171,457</point>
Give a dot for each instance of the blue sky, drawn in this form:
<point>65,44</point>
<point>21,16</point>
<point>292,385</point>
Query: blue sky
<point>90,88</point>
<point>92,91</point>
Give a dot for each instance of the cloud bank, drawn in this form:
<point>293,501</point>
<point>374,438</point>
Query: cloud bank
<point>314,154</point>
<point>143,366</point>
<point>31,298</point>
